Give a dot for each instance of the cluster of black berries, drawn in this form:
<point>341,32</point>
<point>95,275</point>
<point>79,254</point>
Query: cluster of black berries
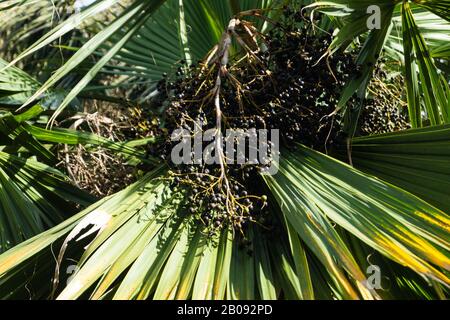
<point>282,86</point>
<point>285,86</point>
<point>208,199</point>
<point>307,88</point>
<point>385,109</point>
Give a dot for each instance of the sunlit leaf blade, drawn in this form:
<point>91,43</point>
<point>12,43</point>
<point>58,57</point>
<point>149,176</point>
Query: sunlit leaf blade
<point>73,137</point>
<point>433,28</point>
<point>265,275</point>
<point>204,280</point>
<point>397,282</point>
<point>412,83</point>
<point>177,276</point>
<point>99,216</point>
<point>17,264</point>
<point>431,84</point>
<point>137,232</point>
<point>301,264</point>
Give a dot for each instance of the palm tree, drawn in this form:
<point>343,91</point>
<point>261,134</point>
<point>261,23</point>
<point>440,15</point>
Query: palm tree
<point>388,209</point>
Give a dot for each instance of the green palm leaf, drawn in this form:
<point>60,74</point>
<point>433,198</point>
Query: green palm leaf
<point>416,160</point>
